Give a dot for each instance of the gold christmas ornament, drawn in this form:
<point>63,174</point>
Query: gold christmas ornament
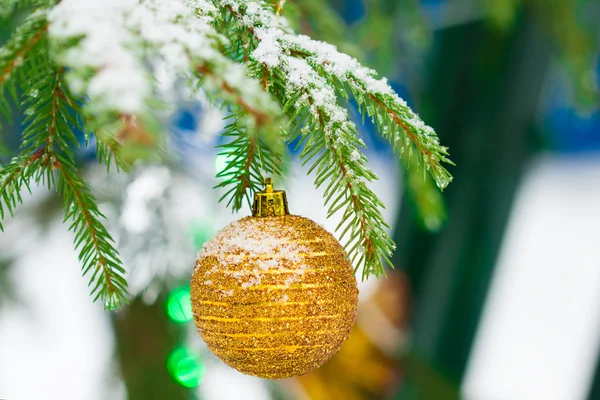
<point>273,295</point>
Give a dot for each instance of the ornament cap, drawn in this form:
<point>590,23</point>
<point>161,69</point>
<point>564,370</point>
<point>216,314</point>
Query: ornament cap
<point>269,202</point>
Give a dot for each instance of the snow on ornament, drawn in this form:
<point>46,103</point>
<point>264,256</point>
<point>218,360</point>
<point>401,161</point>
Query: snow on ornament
<point>273,295</point>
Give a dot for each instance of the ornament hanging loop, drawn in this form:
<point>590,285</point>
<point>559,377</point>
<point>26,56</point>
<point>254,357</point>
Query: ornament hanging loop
<point>269,202</point>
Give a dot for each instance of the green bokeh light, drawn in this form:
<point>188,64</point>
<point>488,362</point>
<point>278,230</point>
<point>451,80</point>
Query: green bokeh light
<point>185,368</point>
<point>179,306</point>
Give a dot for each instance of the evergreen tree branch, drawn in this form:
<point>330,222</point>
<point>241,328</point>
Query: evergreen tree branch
<point>330,139</point>
<point>97,252</point>
<point>321,20</point>
<point>261,115</point>
<point>14,177</point>
<point>123,86</point>
<point>247,153</point>
<point>94,71</point>
<point>342,165</point>
<point>13,54</point>
<point>388,115</point>
<point>108,150</point>
<point>29,165</point>
<point>196,47</point>
<point>394,119</point>
<point>48,141</point>
<point>247,158</point>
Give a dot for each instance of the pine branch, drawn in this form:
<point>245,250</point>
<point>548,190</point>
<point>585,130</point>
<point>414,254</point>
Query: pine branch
<point>330,139</point>
<point>248,157</point>
<point>394,119</point>
<point>196,47</point>
<point>260,115</point>
<point>97,253</point>
<point>29,165</point>
<point>48,139</point>
<point>341,164</point>
<point>94,72</point>
<point>13,53</point>
<point>323,23</point>
<point>107,146</point>
<point>14,177</point>
<point>191,45</point>
<point>388,115</point>
<point>108,151</point>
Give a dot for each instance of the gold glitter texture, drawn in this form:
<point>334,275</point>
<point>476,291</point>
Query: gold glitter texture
<point>274,297</point>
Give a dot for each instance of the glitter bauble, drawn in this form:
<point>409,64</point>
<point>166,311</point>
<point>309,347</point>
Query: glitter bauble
<point>274,297</point>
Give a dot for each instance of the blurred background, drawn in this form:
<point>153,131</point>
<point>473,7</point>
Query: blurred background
<point>496,290</point>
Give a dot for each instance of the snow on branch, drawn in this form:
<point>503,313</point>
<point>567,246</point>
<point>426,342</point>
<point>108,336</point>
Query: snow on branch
<point>110,47</point>
<point>91,66</point>
<point>304,60</point>
<point>315,75</point>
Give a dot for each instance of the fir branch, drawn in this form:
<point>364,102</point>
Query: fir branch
<point>330,139</point>
<point>342,165</point>
<point>261,115</point>
<point>13,54</point>
<point>29,165</point>
<point>394,119</point>
<point>175,35</point>
<point>106,140</point>
<point>48,139</point>
<point>98,255</point>
<point>108,148</point>
<point>247,158</point>
<point>14,177</point>
<point>94,71</point>
<point>248,153</point>
<point>388,115</point>
<point>178,37</point>
<point>108,151</point>
<point>97,252</point>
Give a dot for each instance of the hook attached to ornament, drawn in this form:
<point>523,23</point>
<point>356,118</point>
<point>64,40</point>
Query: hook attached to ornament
<point>269,202</point>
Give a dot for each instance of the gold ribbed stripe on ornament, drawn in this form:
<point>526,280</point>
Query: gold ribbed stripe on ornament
<point>286,323</point>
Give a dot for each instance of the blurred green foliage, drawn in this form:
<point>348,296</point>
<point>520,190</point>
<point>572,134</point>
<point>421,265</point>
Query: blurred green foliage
<point>426,383</point>
<point>573,26</point>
